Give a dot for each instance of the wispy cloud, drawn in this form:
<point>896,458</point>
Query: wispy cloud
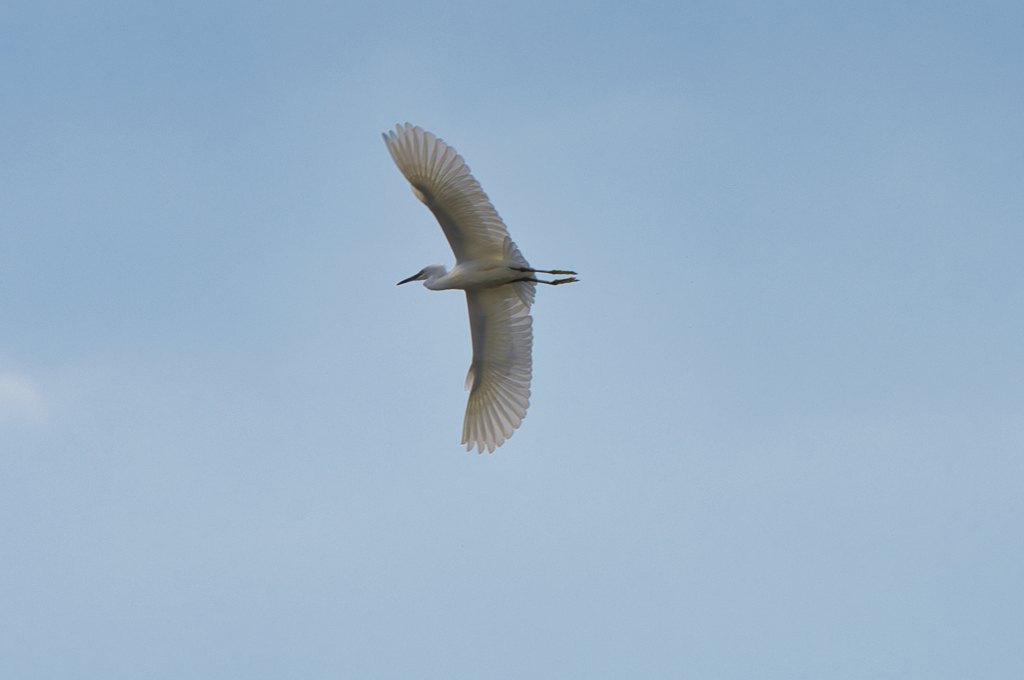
<point>19,399</point>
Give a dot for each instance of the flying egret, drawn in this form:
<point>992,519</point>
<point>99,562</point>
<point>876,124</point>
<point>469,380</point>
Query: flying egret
<point>498,281</point>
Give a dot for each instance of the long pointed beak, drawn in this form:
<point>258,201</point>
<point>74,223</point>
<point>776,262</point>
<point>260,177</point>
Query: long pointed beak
<point>411,278</point>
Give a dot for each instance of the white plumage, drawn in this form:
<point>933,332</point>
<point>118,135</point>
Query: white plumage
<point>498,281</point>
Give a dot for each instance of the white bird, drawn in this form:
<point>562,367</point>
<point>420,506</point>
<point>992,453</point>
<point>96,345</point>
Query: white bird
<point>498,281</point>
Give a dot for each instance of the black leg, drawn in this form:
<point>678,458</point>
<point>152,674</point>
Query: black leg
<point>543,271</point>
<point>556,282</point>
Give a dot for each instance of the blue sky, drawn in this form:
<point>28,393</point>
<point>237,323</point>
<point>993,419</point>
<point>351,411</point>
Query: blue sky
<point>776,431</point>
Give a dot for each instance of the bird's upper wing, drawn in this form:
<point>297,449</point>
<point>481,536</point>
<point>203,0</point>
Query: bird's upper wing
<point>441,179</point>
<point>499,378</point>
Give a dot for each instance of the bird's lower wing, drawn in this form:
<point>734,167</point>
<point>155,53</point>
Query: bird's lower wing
<point>499,378</point>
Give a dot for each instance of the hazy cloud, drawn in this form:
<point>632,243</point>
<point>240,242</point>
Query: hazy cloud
<point>19,399</point>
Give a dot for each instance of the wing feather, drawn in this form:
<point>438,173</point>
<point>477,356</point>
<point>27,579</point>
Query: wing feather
<point>441,180</point>
<point>499,378</point>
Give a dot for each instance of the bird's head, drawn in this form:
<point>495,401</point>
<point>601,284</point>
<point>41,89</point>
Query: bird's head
<point>431,271</point>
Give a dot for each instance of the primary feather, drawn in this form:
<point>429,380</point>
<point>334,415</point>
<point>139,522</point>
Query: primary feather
<point>499,377</point>
<point>441,180</point>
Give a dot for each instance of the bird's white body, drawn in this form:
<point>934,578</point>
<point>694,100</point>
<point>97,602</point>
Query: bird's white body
<point>473,274</point>
<point>498,281</point>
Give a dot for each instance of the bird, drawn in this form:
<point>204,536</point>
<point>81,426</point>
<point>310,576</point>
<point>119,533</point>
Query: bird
<point>498,281</point>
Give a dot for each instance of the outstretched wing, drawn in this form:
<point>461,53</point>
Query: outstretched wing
<point>499,378</point>
<point>441,179</point>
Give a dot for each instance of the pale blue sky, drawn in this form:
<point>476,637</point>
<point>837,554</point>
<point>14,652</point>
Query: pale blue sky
<point>776,431</point>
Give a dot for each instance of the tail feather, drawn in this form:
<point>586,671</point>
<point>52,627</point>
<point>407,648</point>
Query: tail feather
<point>524,289</point>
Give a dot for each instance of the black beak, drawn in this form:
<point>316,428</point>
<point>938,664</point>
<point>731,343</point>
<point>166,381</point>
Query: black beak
<point>411,278</point>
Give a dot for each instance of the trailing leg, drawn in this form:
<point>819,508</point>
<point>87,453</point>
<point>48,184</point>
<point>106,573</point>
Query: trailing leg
<point>543,271</point>
<point>556,282</point>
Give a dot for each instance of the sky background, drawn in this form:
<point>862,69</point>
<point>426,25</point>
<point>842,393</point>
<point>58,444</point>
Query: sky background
<point>777,431</point>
